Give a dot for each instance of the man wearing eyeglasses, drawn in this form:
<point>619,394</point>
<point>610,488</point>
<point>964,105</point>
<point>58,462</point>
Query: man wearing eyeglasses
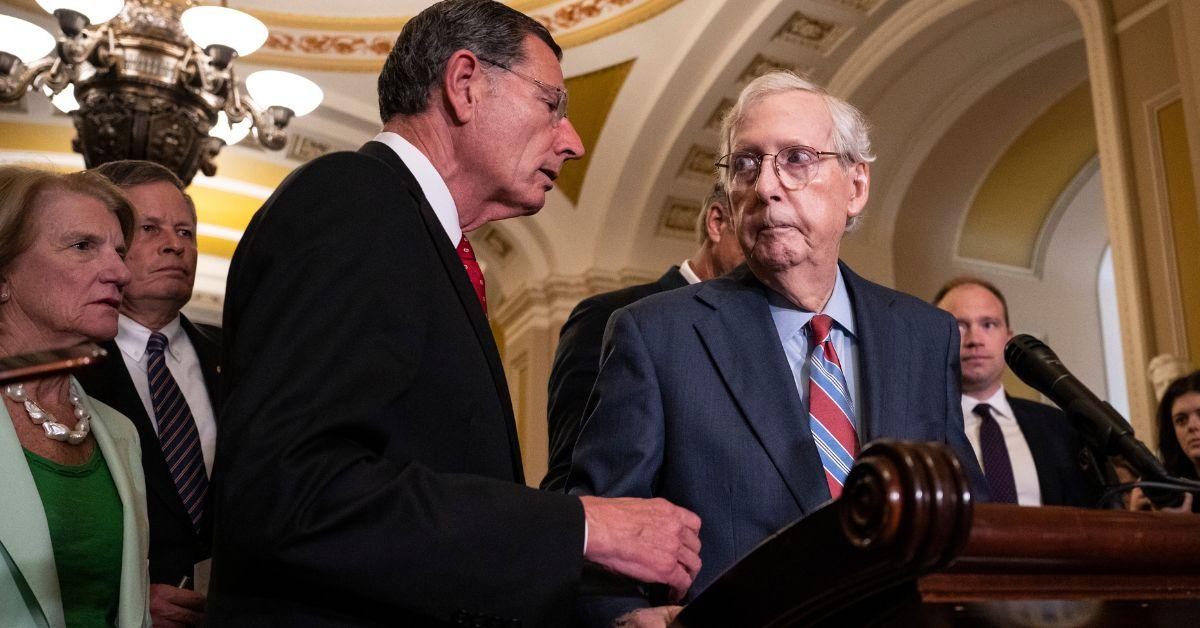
<point>746,399</point>
<point>369,463</point>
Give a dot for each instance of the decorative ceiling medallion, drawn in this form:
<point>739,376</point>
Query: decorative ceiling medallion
<point>810,32</point>
<point>699,164</point>
<point>761,65</point>
<point>718,114</point>
<point>678,218</point>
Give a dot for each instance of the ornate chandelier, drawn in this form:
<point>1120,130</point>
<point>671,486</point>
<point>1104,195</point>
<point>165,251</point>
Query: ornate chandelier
<point>152,79</point>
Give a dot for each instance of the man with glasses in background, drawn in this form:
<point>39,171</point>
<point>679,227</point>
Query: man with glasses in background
<point>747,398</point>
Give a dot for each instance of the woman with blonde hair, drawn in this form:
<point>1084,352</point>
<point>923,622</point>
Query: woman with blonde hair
<point>73,532</point>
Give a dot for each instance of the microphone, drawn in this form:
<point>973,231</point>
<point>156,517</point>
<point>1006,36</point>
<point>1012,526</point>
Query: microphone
<point>1037,365</point>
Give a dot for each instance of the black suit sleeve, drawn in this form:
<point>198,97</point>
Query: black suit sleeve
<point>326,319</point>
<point>576,364</point>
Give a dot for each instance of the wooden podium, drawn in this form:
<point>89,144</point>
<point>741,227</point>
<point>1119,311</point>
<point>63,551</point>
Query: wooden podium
<point>907,546</point>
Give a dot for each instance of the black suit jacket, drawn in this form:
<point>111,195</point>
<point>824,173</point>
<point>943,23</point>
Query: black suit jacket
<point>576,363</point>
<point>368,471</point>
<point>175,546</point>
<point>1055,445</point>
<point>696,403</point>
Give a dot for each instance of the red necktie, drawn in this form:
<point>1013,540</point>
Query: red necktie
<point>467,255</point>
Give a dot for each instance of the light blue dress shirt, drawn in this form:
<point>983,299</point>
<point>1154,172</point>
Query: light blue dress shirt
<point>790,321</point>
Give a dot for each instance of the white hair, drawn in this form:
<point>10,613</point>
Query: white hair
<point>850,129</point>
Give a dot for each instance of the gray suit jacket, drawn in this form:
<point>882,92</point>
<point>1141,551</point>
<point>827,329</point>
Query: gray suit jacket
<point>695,402</point>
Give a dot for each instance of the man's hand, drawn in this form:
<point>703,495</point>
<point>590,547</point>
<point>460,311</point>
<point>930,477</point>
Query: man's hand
<point>172,607</point>
<point>650,540</point>
<point>1185,507</point>
<point>657,617</point>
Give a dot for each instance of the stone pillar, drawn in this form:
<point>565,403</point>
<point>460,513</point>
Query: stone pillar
<point>527,322</point>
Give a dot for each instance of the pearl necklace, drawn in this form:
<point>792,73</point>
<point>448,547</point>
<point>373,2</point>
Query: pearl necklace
<point>54,429</point>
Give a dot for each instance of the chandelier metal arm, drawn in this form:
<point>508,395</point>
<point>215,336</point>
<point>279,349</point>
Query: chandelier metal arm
<point>13,88</point>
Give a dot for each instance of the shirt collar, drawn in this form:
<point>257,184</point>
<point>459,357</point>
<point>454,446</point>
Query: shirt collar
<point>132,337</point>
<point>433,186</point>
<point>789,317</point>
<point>690,275</point>
<point>998,401</point>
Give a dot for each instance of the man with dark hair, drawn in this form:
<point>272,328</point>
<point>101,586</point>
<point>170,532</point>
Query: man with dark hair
<point>369,466</point>
<point>577,359</point>
<point>1029,451</point>
<point>162,374</point>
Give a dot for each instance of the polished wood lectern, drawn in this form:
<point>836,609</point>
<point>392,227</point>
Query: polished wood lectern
<point>907,546</point>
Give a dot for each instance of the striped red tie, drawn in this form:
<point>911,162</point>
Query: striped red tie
<point>830,410</point>
<point>467,255</point>
<point>177,434</point>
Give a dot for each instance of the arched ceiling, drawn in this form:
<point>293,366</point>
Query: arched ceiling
<point>668,69</point>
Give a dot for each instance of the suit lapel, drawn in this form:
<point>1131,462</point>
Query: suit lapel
<point>1043,457</point>
<point>740,337</point>
<point>883,351</point>
<point>111,381</point>
<point>209,353</point>
<point>121,456</point>
<point>462,286</point>
<point>23,528</point>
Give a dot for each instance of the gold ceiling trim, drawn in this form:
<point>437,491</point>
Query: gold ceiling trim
<point>360,44</point>
<point>393,24</point>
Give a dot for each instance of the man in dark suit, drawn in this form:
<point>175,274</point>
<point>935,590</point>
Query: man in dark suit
<point>746,398</point>
<point>177,444</point>
<point>368,470</point>
<point>1030,452</point>
<point>577,359</point>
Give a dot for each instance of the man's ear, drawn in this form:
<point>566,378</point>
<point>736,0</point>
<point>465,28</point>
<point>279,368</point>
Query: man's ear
<point>462,85</point>
<point>860,188</point>
<point>717,222</point>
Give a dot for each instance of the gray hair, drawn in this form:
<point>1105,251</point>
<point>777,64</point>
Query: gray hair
<point>717,196</point>
<point>851,139</point>
<point>417,61</point>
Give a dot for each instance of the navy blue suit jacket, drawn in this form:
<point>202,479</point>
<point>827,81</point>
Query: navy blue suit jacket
<point>576,363</point>
<point>696,403</point>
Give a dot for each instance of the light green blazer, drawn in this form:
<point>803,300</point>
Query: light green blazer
<point>26,536</point>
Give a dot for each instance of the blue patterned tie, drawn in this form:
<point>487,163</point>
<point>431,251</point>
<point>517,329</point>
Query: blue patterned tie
<point>997,468</point>
<point>177,434</point>
<point>830,410</point>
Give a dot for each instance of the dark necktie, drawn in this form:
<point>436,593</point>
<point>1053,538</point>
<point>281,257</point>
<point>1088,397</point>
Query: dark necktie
<point>467,255</point>
<point>997,467</point>
<point>177,434</point>
<point>830,410</point>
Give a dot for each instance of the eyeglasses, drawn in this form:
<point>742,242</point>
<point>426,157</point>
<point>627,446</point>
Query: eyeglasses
<point>794,165</point>
<point>559,105</point>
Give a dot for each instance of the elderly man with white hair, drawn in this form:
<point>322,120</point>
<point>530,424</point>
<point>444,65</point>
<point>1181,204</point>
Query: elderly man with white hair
<point>746,399</point>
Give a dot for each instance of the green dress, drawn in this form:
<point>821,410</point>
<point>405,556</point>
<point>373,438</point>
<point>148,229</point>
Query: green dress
<point>84,514</point>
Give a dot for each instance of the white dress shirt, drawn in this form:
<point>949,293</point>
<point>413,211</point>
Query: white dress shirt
<point>433,186</point>
<point>690,275</point>
<point>1029,491</point>
<point>184,365</point>
<point>790,323</point>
